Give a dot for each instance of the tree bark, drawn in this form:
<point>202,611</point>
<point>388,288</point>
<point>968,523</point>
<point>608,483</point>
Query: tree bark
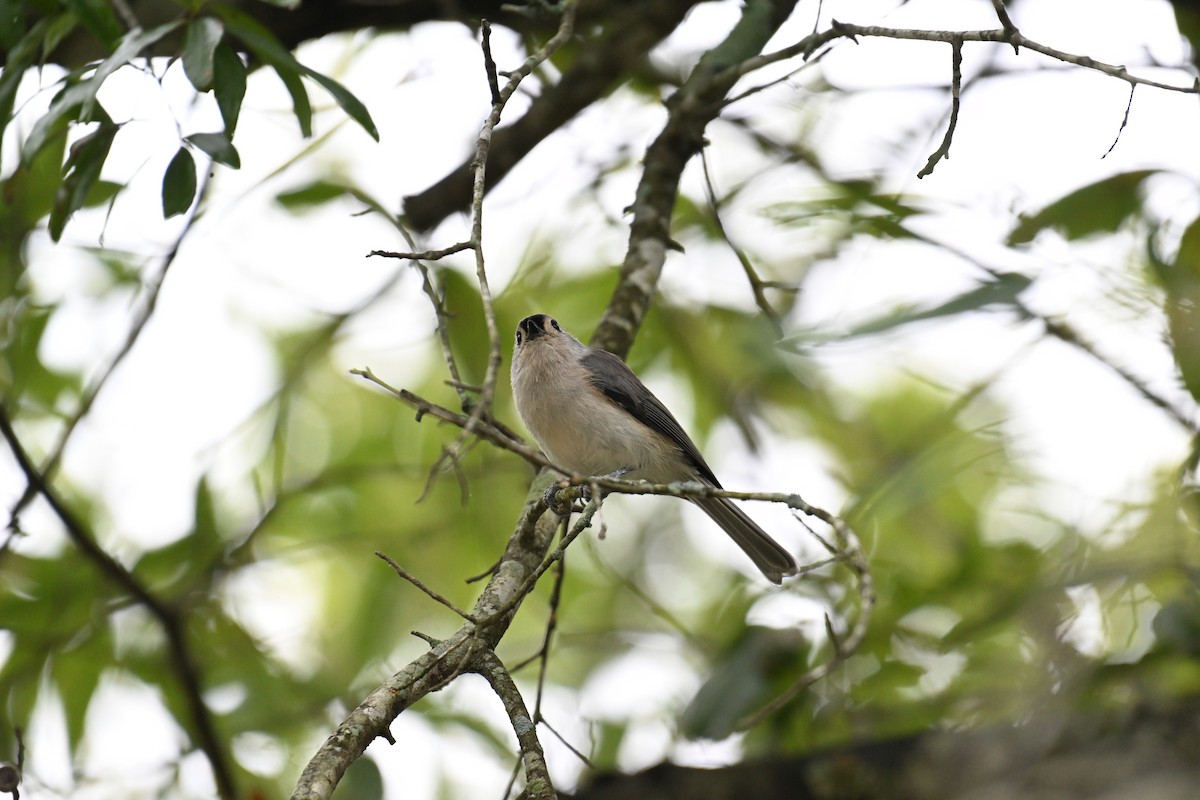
<point>1144,753</point>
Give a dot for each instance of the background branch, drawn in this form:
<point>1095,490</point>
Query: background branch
<point>698,101</point>
<point>181,659</point>
<point>595,69</point>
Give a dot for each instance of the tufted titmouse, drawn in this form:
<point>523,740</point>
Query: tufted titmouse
<point>592,415</point>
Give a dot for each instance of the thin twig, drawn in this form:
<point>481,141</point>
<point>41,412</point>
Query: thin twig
<point>441,316</point>
<point>437,299</point>
<point>1069,335</point>
<point>181,660</point>
<point>943,150</point>
<point>489,430</point>
<point>87,400</point>
<point>551,625</point>
<point>424,255</point>
<point>842,647</point>
<point>489,64</point>
<point>810,63</point>
<point>479,170</point>
<point>587,762</point>
<point>1124,121</point>
<point>756,284</point>
<point>837,30</point>
<point>406,575</point>
<point>1065,333</point>
<point>560,573</point>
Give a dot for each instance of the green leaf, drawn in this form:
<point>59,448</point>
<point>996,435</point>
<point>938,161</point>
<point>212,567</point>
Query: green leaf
<point>229,85</point>
<point>77,101</point>
<point>58,29</point>
<point>82,169</point>
<point>1180,278</point>
<point>199,49</point>
<point>263,44</point>
<point>99,18</point>
<point>257,37</point>
<point>313,194</point>
<point>301,106</point>
<point>63,110</point>
<point>1098,208</point>
<point>12,27</point>
<point>218,147</point>
<point>179,184</point>
<point>741,681</point>
<point>186,565</point>
<point>18,59</point>
<point>76,672</point>
<point>101,193</point>
<point>1002,290</point>
<point>353,107</point>
<point>131,45</point>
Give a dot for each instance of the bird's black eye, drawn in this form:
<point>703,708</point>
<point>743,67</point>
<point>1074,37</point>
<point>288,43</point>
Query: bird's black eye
<point>554,324</point>
<point>518,337</point>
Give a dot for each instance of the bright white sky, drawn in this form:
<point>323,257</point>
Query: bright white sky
<point>180,399</point>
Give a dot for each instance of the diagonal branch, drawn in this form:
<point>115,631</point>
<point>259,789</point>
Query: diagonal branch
<point>698,101</point>
<point>594,69</point>
<point>88,399</point>
<point>373,716</point>
<point>537,777</point>
<point>757,285</point>
<point>181,659</point>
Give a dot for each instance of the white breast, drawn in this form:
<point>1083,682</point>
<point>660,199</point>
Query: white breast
<point>579,428</point>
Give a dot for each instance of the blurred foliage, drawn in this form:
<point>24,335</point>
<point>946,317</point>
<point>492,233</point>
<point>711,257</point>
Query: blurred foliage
<point>213,33</point>
<point>980,618</point>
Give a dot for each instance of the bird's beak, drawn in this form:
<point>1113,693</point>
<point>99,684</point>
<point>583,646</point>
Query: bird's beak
<point>533,326</point>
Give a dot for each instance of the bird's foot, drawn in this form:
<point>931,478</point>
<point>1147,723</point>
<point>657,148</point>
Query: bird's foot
<point>585,492</point>
<point>560,507</point>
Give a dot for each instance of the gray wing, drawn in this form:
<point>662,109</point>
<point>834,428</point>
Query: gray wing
<point>616,380</point>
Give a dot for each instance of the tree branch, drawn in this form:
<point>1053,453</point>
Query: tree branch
<point>537,777</point>
<point>848,549</point>
<point>88,399</point>
<point>634,30</point>
<point>698,101</point>
<point>496,606</point>
<point>181,659</point>
<point>943,150</point>
<point>839,30</point>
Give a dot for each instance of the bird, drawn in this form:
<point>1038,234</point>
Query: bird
<point>593,416</point>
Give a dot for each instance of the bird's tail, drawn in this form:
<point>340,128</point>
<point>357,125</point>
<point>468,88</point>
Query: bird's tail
<point>766,553</point>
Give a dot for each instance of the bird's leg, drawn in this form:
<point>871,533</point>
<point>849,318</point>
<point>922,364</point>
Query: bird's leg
<point>585,492</point>
<point>552,503</point>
